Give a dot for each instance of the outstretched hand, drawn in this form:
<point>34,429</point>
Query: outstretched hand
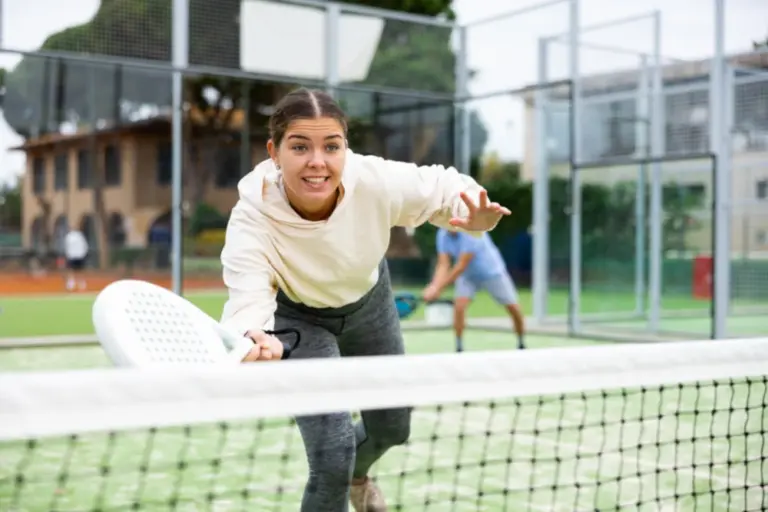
<point>482,216</point>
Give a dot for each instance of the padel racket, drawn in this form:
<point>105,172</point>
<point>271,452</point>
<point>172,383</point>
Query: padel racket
<point>407,303</point>
<point>141,324</point>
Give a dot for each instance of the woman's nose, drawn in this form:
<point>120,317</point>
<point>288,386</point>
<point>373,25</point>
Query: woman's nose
<point>317,159</point>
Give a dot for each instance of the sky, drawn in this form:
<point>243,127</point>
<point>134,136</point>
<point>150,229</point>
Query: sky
<point>503,52</point>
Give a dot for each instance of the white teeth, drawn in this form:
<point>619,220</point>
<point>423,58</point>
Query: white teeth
<point>315,180</point>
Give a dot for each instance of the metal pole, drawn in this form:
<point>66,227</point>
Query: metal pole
<point>180,21</point>
<point>641,145</point>
<point>656,206</point>
<point>465,147</point>
<point>331,42</point>
<point>541,196</point>
<point>575,288</point>
<point>721,258</point>
<point>462,143</point>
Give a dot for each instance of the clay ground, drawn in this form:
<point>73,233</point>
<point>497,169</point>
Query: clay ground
<point>21,284</point>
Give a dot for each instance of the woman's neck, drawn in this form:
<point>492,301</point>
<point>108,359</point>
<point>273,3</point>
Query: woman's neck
<point>320,213</point>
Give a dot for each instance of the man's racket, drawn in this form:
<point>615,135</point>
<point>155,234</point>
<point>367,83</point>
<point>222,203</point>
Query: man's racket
<point>142,324</point>
<point>407,303</point>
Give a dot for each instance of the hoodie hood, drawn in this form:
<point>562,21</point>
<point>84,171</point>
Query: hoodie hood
<point>260,191</point>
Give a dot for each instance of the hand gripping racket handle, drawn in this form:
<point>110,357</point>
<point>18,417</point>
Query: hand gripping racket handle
<point>242,345</point>
<point>287,349</point>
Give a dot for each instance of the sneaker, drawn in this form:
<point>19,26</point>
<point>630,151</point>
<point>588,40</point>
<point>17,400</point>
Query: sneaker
<point>367,497</point>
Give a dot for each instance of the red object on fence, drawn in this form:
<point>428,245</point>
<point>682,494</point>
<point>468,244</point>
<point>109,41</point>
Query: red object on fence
<point>702,277</point>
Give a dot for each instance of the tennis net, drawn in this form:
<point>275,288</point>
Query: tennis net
<point>669,426</point>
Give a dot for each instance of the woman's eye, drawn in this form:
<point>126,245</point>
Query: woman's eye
<point>299,147</point>
<point>332,147</point>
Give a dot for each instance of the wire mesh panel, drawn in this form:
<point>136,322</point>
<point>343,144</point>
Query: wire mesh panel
<point>749,212</point>
<point>136,30</point>
<point>618,253</point>
<point>674,426</point>
<point>514,36</point>
<point>387,49</point>
<point>749,248</point>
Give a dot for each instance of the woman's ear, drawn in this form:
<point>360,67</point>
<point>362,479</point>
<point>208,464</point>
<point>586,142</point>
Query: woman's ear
<point>272,150</point>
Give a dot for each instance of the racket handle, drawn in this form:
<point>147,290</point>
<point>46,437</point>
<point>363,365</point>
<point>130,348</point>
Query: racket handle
<point>241,349</point>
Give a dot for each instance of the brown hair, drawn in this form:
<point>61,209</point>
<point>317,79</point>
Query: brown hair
<point>303,103</point>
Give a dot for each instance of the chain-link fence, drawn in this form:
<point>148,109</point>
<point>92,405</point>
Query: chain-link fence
<point>93,108</point>
<point>634,253</point>
<point>94,105</point>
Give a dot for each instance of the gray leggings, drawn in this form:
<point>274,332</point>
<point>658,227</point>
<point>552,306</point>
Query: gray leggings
<point>338,449</point>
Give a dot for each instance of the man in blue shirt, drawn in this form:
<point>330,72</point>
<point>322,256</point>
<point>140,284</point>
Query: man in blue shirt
<point>477,264</point>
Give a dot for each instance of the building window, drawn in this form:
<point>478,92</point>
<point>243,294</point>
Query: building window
<point>751,114</point>
<point>112,165</point>
<point>557,122</point>
<point>164,163</point>
<point>228,170</point>
<point>38,175</point>
<point>84,177</point>
<point>687,121</point>
<point>60,229</point>
<point>116,230</point>
<point>761,189</point>
<point>61,171</point>
<point>609,129</point>
<point>761,237</point>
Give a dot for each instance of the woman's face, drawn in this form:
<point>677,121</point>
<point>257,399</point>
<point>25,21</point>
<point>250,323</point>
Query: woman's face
<point>311,157</point>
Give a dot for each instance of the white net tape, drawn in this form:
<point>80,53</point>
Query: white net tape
<point>56,403</point>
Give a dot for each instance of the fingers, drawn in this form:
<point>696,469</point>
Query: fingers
<point>467,201</point>
<point>497,208</point>
<point>253,355</point>
<point>265,347</point>
<point>483,199</point>
<point>482,205</point>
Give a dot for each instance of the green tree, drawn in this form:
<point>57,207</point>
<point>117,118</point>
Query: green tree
<point>10,208</point>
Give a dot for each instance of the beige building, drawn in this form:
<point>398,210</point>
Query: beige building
<point>614,127</point>
<point>135,159</point>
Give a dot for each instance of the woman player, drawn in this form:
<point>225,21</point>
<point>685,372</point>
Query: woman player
<point>305,250</point>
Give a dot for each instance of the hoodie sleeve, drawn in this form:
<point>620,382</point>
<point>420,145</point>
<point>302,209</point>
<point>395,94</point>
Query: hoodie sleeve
<point>248,276</point>
<point>427,193</point>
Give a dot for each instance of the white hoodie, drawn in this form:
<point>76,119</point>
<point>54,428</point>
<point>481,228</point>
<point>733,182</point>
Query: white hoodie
<point>334,262</point>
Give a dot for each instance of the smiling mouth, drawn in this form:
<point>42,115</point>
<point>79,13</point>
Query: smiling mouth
<point>316,180</point>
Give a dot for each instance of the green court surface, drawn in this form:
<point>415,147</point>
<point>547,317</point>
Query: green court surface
<point>545,454</point>
<point>71,314</point>
<point>466,457</point>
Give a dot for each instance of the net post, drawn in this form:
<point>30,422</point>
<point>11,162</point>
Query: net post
<point>642,133</point>
<point>331,46</point>
<point>656,207</point>
<point>463,146</point>
<point>541,194</point>
<point>180,55</point>
<point>721,255</point>
<point>575,270</point>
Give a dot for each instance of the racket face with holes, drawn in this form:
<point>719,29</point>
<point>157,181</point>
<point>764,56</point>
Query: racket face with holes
<point>142,324</point>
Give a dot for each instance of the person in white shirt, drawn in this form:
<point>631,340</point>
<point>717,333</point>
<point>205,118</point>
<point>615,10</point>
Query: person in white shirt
<point>75,252</point>
<point>304,250</point>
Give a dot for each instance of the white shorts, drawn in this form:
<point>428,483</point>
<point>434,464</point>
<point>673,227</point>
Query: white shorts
<point>501,288</point>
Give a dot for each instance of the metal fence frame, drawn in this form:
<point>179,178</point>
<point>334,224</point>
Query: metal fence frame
<point>718,100</point>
